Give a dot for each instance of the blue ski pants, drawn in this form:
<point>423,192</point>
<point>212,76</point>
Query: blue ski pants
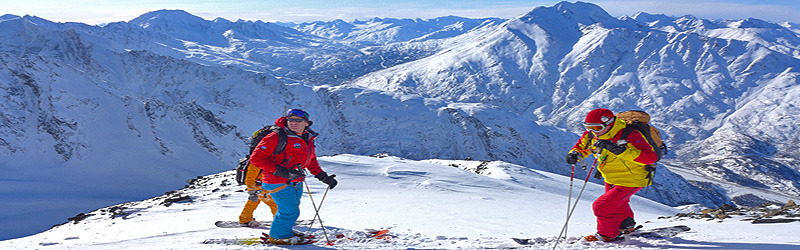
<point>288,201</point>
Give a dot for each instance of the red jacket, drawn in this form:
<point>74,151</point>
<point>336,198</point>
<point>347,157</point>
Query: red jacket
<point>298,152</point>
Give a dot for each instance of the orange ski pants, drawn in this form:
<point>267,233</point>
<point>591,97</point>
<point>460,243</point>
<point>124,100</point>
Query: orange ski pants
<point>250,207</point>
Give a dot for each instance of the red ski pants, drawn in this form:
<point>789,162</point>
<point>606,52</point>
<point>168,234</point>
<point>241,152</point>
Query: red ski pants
<point>612,207</point>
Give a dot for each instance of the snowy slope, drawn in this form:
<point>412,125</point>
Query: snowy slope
<point>425,204</point>
<point>135,108</point>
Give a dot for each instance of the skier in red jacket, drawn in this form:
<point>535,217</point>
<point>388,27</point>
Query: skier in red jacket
<point>284,173</point>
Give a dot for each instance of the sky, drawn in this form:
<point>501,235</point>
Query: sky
<point>106,11</point>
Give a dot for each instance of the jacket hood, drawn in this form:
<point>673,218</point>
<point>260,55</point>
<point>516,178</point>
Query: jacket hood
<point>281,122</point>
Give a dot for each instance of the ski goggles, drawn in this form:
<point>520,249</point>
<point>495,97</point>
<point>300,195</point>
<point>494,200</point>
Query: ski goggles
<point>594,127</point>
<point>298,113</point>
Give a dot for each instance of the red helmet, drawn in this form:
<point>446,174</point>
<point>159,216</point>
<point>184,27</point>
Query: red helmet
<point>598,119</point>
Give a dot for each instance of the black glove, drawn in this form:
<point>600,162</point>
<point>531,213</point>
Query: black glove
<point>289,174</point>
<point>573,157</point>
<point>324,178</point>
<point>610,146</point>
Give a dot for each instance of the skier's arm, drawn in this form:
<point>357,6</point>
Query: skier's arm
<point>253,174</point>
<point>583,144</point>
<point>261,156</point>
<point>313,166</point>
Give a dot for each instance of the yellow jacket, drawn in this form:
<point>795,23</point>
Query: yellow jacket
<point>626,169</point>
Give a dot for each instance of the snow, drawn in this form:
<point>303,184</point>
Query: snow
<point>135,108</point>
<point>430,204</point>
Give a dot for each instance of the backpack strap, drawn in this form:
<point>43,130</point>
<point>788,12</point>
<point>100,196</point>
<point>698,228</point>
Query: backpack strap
<point>282,140</point>
<point>627,131</point>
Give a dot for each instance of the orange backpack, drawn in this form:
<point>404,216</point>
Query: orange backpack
<point>640,121</point>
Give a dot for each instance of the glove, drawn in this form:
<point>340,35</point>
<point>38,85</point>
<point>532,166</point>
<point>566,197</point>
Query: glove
<point>253,195</point>
<point>573,157</point>
<point>253,191</point>
<point>324,178</point>
<point>289,174</point>
<point>610,146</point>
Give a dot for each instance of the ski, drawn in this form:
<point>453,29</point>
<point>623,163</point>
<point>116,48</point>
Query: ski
<point>263,240</point>
<point>262,224</point>
<point>533,241</point>
<point>308,239</point>
<point>368,236</point>
<point>661,232</point>
<point>235,224</point>
<point>235,241</point>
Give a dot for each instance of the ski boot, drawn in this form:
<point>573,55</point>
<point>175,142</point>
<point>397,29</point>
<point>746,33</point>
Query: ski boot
<point>294,240</point>
<point>252,223</point>
<point>627,226</point>
<point>600,237</point>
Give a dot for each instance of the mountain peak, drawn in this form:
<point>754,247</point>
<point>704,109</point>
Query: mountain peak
<point>752,23</point>
<point>590,12</point>
<point>220,20</point>
<point>184,26</point>
<point>165,17</point>
<point>645,17</point>
<point>7,17</point>
<point>580,12</point>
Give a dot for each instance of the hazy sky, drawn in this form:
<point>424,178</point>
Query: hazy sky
<point>105,11</point>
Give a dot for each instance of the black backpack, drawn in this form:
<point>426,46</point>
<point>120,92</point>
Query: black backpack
<point>241,170</point>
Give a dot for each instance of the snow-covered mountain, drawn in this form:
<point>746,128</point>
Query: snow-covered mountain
<point>381,31</point>
<point>706,84</point>
<point>88,115</point>
<point>134,108</point>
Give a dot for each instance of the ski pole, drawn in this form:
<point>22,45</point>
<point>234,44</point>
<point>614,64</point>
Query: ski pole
<point>563,229</point>
<point>316,211</point>
<point>318,207</point>
<point>569,200</point>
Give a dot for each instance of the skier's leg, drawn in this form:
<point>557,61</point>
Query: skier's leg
<point>288,202</point>
<point>267,199</point>
<point>247,212</point>
<point>607,209</point>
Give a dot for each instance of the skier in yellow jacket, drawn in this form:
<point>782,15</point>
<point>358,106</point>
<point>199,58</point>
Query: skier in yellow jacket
<point>622,163</point>
<point>253,183</point>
